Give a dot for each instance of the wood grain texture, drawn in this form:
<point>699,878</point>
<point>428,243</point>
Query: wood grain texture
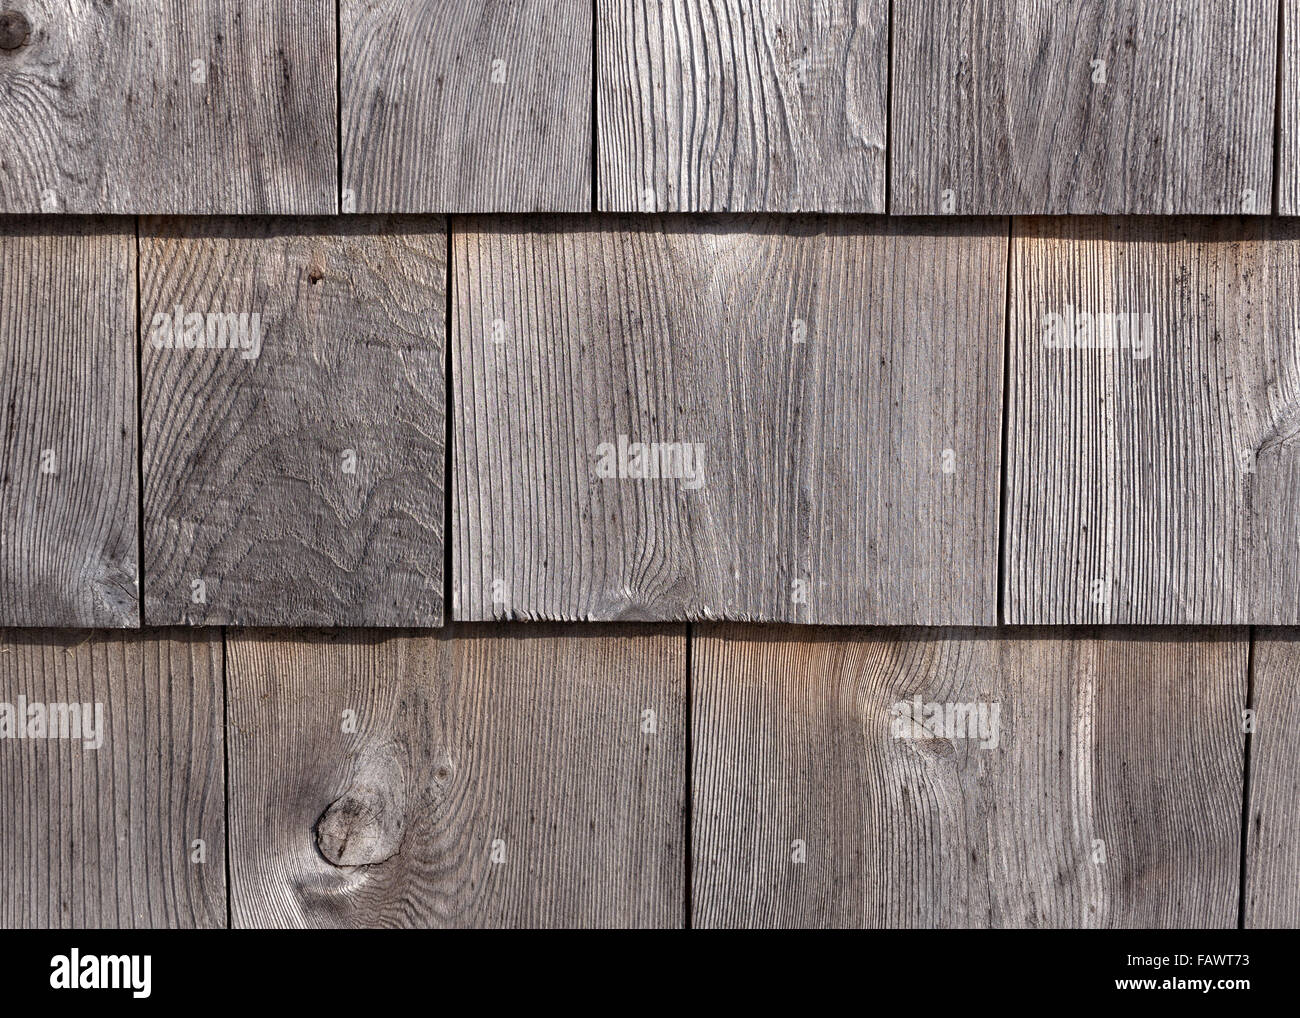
<point>302,486</point>
<point>105,838</point>
<point>820,382</point>
<point>68,479</point>
<point>793,739</point>
<point>742,105</point>
<point>467,105</point>
<point>527,742</point>
<point>1158,488</point>
<point>995,102</point>
<point>103,110</point>
<point>1272,891</point>
<point>1288,137</point>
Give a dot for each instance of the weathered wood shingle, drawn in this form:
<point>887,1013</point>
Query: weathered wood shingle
<point>1109,794</point>
<point>831,388</point>
<point>142,106</point>
<point>1154,405</point>
<point>742,105</point>
<point>294,479</point>
<point>1288,136</point>
<point>126,829</point>
<point>1271,896</point>
<point>466,105</point>
<point>519,777</point>
<point>68,479</point>
<point>1114,106</point>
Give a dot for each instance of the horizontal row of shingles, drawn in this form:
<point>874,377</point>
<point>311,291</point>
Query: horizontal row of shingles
<point>987,107</point>
<point>793,420</point>
<point>423,780</point>
<point>836,391</point>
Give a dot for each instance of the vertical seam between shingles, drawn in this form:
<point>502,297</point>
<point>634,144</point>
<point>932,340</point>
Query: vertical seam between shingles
<point>1277,108</point>
<point>595,96</point>
<point>889,104</point>
<point>688,861</point>
<point>139,436</point>
<point>448,467</point>
<point>1000,595</point>
<point>338,102</point>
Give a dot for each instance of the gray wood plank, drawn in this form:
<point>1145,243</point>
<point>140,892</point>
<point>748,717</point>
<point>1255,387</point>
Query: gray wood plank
<point>1154,482</point>
<point>742,105</point>
<point>108,837</point>
<point>69,513</point>
<point>495,777</point>
<point>1000,107</point>
<point>1272,891</point>
<point>1288,138</point>
<point>466,105</point>
<point>298,481</point>
<point>1110,798</point>
<point>822,386</point>
<point>150,106</point>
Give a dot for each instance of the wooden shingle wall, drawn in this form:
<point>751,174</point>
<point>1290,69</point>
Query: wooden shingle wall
<point>451,327</point>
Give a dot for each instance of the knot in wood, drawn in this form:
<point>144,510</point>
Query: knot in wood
<point>15,30</point>
<point>362,828</point>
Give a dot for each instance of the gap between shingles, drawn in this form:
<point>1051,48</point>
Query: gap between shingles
<point>595,91</point>
<point>1277,107</point>
<point>139,437</point>
<point>448,470</point>
<point>889,105</point>
<point>999,595</point>
<point>338,103</point>
<point>687,861</point>
<point>1245,781</point>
